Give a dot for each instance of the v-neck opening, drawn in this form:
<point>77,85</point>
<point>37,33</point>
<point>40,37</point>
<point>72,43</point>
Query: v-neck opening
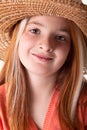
<point>49,113</point>
<point>50,110</point>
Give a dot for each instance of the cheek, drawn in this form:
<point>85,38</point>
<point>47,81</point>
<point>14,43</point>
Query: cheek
<point>62,54</point>
<point>66,51</point>
<point>25,44</point>
<point>63,51</point>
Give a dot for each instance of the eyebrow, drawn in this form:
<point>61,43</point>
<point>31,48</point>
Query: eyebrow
<point>36,23</point>
<point>63,29</point>
<point>66,30</point>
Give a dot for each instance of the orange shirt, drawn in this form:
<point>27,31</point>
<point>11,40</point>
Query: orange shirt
<point>51,120</point>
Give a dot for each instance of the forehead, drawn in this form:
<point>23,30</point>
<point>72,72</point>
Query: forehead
<point>49,20</point>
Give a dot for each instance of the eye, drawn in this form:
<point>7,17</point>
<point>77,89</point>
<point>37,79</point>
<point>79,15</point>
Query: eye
<point>60,38</point>
<point>35,31</point>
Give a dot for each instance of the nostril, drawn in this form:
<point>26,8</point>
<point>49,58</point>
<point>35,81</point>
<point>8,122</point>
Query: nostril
<point>46,49</point>
<point>50,50</point>
<point>41,47</point>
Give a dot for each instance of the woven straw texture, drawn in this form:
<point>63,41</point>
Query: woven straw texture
<point>12,11</point>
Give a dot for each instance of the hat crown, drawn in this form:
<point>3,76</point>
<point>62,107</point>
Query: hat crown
<point>67,0</point>
<point>71,2</point>
<point>62,1</point>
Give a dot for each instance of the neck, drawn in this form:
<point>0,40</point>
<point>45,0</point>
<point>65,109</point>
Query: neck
<point>41,86</point>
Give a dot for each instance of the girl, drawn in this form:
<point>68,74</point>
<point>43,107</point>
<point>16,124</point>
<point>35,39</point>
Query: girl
<point>42,84</point>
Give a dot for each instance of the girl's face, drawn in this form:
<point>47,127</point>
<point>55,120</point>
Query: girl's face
<point>44,45</point>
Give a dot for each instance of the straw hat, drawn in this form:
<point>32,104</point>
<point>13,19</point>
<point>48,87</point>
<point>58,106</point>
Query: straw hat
<point>12,11</point>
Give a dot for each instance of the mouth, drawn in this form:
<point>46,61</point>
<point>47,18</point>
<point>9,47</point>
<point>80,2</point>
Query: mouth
<point>42,57</point>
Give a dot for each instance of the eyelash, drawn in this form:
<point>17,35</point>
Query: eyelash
<point>35,31</point>
<point>60,38</point>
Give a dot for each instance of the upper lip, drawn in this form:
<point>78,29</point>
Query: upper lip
<point>44,56</point>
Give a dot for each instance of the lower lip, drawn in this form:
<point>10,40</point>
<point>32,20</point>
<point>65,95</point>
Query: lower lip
<point>42,58</point>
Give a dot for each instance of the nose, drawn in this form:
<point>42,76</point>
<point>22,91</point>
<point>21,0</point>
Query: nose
<point>46,44</point>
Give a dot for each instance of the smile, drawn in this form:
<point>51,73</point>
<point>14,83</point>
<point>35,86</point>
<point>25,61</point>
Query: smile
<point>42,57</point>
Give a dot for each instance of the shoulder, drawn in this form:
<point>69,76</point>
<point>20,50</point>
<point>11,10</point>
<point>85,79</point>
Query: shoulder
<point>83,94</point>
<point>2,94</point>
<point>2,89</point>
<point>82,105</point>
<point>2,98</point>
<point>3,113</point>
